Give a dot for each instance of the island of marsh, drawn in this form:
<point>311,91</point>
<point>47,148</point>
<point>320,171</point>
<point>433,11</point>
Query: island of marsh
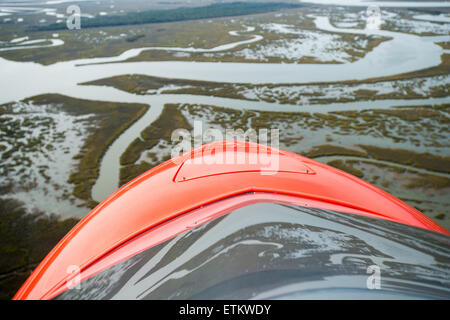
<point>52,146</point>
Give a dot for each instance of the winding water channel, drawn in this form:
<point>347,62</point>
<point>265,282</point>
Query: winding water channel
<point>404,53</point>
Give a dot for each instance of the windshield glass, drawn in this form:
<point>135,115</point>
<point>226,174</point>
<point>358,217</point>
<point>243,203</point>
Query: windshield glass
<point>271,250</point>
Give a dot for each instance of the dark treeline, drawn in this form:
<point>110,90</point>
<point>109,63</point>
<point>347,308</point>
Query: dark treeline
<point>178,14</point>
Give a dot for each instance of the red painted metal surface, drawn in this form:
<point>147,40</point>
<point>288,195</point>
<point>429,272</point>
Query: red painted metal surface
<point>192,181</point>
<point>192,219</point>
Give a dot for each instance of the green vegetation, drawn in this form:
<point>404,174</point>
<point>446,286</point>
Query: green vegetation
<point>411,114</point>
<point>427,181</point>
<point>15,133</point>
<point>440,216</point>
<point>333,150</point>
<point>161,129</point>
<point>442,91</point>
<point>270,38</point>
<point>135,38</point>
<point>26,238</point>
<point>111,119</point>
<point>419,160</point>
<point>347,167</point>
<point>112,41</point>
<point>141,84</point>
<point>224,117</point>
<point>444,45</point>
<point>361,53</point>
<point>362,121</point>
<point>178,14</point>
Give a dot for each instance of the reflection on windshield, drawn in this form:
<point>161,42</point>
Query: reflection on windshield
<point>269,250</point>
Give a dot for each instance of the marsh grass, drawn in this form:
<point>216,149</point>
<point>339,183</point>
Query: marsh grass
<point>111,120</point>
<point>26,238</point>
<point>346,167</point>
<point>170,119</point>
<point>407,157</point>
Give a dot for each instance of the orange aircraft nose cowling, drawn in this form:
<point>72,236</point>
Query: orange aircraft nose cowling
<point>202,176</point>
